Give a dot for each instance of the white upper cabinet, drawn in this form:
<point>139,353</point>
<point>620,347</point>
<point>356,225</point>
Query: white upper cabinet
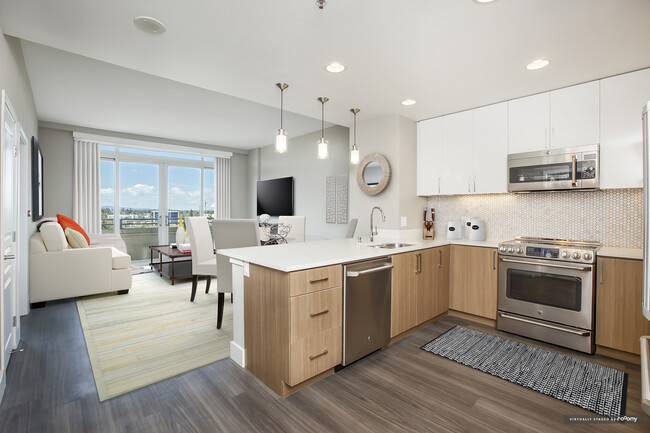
<point>621,153</point>
<point>457,153</point>
<point>562,118</point>
<point>429,162</point>
<point>490,149</point>
<point>574,116</point>
<point>528,123</point>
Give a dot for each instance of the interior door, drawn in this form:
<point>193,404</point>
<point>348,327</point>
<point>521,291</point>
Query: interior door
<point>8,226</point>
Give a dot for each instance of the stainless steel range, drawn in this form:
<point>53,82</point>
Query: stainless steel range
<point>547,290</point>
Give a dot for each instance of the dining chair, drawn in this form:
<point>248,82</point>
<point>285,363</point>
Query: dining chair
<point>204,260</point>
<point>351,228</point>
<point>297,223</point>
<point>231,233</point>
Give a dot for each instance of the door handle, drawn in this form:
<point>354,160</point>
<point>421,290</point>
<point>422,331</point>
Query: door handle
<point>9,257</point>
<point>574,170</point>
<point>320,280</point>
<point>550,265</point>
<point>469,183</point>
<point>544,325</point>
<point>368,271</point>
<point>166,220</point>
<point>440,258</point>
<point>474,183</point>
<point>438,185</point>
<point>494,260</point>
<point>325,311</point>
<point>312,357</point>
<point>159,220</point>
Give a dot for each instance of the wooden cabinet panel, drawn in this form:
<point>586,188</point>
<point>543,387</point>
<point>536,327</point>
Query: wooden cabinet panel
<point>473,280</point>
<point>619,295</point>
<point>403,293</point>
<point>621,134</point>
<point>426,285</point>
<point>313,280</point>
<point>315,312</point>
<point>314,354</point>
<point>441,304</point>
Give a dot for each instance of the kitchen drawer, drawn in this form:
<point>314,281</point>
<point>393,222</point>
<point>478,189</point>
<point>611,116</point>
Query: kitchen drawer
<point>314,354</point>
<point>314,313</point>
<point>313,280</point>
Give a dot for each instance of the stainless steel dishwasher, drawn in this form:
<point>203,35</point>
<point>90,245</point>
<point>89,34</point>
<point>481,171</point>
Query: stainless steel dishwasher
<point>366,308</point>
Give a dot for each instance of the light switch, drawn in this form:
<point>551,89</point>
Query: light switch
<point>403,222</point>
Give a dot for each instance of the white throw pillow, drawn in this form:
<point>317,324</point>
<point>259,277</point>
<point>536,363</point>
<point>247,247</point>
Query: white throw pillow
<point>53,237</point>
<point>75,239</point>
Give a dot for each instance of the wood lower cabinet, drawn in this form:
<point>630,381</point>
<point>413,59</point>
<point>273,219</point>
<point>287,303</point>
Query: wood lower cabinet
<point>473,280</point>
<point>619,295</point>
<point>293,325</point>
<point>420,287</point>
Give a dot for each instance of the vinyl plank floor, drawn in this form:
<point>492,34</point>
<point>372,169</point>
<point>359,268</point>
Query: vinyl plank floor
<point>50,388</point>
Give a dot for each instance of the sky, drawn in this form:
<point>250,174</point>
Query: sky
<point>139,186</point>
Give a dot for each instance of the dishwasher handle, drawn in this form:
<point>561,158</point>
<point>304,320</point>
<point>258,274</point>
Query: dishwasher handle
<point>368,271</point>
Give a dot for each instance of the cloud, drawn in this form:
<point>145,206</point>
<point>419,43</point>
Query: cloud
<point>179,192</point>
<point>194,193</point>
<point>139,190</point>
<point>107,191</point>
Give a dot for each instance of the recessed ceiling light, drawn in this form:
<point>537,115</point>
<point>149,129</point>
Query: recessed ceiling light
<point>537,64</point>
<point>483,1</point>
<point>149,24</point>
<point>408,102</point>
<point>335,67</point>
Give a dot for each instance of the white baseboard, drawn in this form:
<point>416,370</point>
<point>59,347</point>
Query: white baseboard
<point>238,354</point>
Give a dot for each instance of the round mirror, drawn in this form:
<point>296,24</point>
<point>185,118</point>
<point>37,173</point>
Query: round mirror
<point>373,174</point>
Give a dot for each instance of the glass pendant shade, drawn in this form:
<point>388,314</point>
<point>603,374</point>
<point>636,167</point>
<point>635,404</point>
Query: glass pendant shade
<point>322,148</point>
<point>354,155</point>
<point>281,141</point>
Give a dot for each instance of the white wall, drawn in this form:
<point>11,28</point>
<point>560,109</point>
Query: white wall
<point>395,138</point>
<point>57,145</point>
<point>14,79</point>
<point>309,173</point>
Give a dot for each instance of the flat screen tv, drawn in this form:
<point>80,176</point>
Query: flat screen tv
<point>275,196</point>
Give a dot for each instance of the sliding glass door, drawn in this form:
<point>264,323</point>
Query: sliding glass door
<point>139,207</point>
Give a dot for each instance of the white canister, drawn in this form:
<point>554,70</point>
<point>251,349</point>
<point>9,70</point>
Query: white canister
<point>477,230</point>
<point>466,223</point>
<point>454,230</point>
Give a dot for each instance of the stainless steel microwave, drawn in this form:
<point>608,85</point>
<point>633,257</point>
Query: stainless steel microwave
<point>569,168</point>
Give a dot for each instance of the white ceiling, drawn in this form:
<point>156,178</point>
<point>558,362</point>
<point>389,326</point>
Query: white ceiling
<point>448,55</point>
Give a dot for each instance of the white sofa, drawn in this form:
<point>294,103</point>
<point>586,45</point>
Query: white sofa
<point>60,272</point>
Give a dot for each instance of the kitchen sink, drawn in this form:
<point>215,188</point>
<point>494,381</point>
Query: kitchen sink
<point>391,245</point>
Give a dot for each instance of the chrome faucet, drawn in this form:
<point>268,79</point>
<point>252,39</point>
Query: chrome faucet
<point>373,230</point>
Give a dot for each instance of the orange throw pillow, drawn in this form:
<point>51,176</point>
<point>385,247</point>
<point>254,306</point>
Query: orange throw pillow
<point>66,222</point>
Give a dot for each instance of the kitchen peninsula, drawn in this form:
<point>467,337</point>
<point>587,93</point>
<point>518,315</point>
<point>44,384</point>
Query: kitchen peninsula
<point>287,310</point>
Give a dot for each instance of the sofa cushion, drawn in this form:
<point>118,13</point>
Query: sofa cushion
<point>75,239</point>
<point>53,237</point>
<point>70,223</point>
<point>120,259</point>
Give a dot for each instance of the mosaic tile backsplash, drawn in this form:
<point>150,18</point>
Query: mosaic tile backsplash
<point>613,217</point>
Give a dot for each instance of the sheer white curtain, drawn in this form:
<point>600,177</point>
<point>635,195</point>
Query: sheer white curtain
<point>86,208</point>
<point>222,188</point>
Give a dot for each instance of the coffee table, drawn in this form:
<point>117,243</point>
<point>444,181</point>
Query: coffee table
<point>178,261</point>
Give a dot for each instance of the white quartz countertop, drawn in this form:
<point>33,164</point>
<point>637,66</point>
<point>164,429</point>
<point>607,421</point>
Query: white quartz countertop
<point>621,253</point>
<point>305,255</point>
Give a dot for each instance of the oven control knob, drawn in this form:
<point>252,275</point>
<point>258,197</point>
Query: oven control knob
<point>576,255</point>
<point>502,249</point>
<point>565,254</point>
<point>587,256</point>
<point>520,250</point>
<point>511,250</point>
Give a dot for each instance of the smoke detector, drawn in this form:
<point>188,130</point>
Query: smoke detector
<point>149,24</point>
<point>321,4</point>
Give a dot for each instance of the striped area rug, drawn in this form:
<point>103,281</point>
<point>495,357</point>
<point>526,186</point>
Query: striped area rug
<point>581,383</point>
<point>152,333</point>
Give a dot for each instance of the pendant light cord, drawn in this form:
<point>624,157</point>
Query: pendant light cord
<point>281,106</point>
<point>322,119</point>
<point>355,129</point>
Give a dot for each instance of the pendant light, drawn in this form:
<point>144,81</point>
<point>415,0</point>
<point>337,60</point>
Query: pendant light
<point>354,153</point>
<point>281,138</point>
<point>322,143</point>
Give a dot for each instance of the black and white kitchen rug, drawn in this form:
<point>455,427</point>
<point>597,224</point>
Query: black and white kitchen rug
<point>582,383</point>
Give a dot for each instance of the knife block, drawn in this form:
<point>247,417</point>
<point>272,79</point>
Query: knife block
<point>428,231</point>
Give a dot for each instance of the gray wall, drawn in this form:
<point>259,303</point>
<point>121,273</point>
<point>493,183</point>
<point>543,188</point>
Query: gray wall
<point>57,146</point>
<point>395,138</point>
<point>14,79</point>
<point>309,173</point>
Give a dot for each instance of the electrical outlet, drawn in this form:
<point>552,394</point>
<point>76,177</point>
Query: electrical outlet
<point>403,222</point>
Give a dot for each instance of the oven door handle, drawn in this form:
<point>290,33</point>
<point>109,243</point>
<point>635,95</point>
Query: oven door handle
<point>552,265</point>
<point>545,325</point>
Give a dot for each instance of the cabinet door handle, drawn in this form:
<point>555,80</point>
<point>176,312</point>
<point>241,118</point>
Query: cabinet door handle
<point>474,183</point>
<point>600,271</point>
<point>318,280</point>
<point>494,260</point>
<point>312,357</point>
<point>440,258</point>
<point>325,311</point>
<point>438,185</point>
<point>418,265</point>
<point>546,142</point>
<point>469,183</point>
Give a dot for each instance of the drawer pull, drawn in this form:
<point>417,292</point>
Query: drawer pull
<point>319,280</point>
<point>319,313</point>
<point>324,352</point>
